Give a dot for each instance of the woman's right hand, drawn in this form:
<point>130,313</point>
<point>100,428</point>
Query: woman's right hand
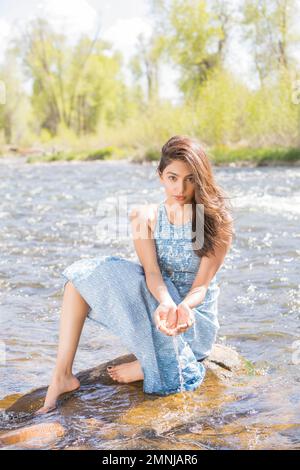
<point>165,317</point>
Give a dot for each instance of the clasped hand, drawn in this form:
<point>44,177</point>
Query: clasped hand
<point>173,319</point>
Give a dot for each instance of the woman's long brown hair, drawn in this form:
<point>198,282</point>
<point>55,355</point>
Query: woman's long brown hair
<point>217,224</point>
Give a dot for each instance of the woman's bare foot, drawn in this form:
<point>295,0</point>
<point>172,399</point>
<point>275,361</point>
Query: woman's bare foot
<point>58,386</point>
<point>127,372</point>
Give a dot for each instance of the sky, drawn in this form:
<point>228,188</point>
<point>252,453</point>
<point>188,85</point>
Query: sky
<point>120,22</point>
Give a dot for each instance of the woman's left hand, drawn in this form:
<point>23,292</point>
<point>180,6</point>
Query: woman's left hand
<point>185,318</point>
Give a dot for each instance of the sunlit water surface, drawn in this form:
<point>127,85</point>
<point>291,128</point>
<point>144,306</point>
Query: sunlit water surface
<point>52,215</point>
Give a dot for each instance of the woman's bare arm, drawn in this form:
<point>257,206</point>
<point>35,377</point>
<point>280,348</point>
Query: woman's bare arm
<point>145,248</point>
<point>209,265</point>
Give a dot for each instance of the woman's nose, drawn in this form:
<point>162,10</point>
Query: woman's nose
<point>180,188</point>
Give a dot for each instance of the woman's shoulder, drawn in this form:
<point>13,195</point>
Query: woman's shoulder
<point>145,212</point>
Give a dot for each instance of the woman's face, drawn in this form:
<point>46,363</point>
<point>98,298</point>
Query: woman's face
<point>178,181</point>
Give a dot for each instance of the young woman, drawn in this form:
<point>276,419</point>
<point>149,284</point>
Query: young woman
<point>165,308</point>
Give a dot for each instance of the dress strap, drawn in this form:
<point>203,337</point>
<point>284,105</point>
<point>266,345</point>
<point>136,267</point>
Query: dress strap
<point>159,219</point>
<point>164,218</point>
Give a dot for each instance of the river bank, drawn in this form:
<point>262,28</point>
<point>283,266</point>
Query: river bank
<point>219,156</point>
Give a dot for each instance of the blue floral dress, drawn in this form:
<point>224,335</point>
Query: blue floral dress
<point>116,291</point>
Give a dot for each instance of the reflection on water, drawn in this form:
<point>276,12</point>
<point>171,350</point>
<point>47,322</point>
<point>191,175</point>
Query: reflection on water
<point>49,217</point>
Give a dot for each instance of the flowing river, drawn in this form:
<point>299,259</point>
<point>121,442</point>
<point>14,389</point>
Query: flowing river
<point>53,214</point>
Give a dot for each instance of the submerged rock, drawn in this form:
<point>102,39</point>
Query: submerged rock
<point>35,436</point>
<point>135,409</point>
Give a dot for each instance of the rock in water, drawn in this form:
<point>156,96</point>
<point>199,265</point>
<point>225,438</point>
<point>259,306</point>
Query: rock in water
<point>223,365</point>
<point>34,436</point>
<point>224,362</point>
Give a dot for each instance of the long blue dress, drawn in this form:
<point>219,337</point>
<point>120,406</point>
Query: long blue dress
<point>116,291</point>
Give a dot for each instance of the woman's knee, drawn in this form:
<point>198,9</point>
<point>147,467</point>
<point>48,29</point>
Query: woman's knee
<point>69,286</point>
<point>71,289</point>
<point>72,293</point>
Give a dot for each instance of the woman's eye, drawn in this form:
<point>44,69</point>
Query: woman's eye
<point>172,178</point>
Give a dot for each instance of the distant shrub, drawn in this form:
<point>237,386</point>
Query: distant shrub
<point>152,154</point>
<point>101,154</point>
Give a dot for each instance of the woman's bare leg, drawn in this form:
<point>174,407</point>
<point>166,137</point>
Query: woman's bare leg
<point>73,314</point>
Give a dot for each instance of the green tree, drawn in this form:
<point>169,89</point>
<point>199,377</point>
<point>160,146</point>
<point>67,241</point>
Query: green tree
<point>145,64</point>
<point>73,86</point>
<point>194,34</point>
<point>15,109</point>
<point>269,26</point>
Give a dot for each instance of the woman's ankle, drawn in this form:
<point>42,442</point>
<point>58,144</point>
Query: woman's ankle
<point>62,374</point>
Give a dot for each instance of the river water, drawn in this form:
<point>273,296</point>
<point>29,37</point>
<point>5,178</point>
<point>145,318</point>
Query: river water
<point>52,214</point>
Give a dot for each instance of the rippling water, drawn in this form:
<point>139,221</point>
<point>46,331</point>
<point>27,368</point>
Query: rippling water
<point>50,215</point>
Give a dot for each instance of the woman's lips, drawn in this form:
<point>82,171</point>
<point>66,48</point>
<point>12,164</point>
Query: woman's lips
<point>179,197</point>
